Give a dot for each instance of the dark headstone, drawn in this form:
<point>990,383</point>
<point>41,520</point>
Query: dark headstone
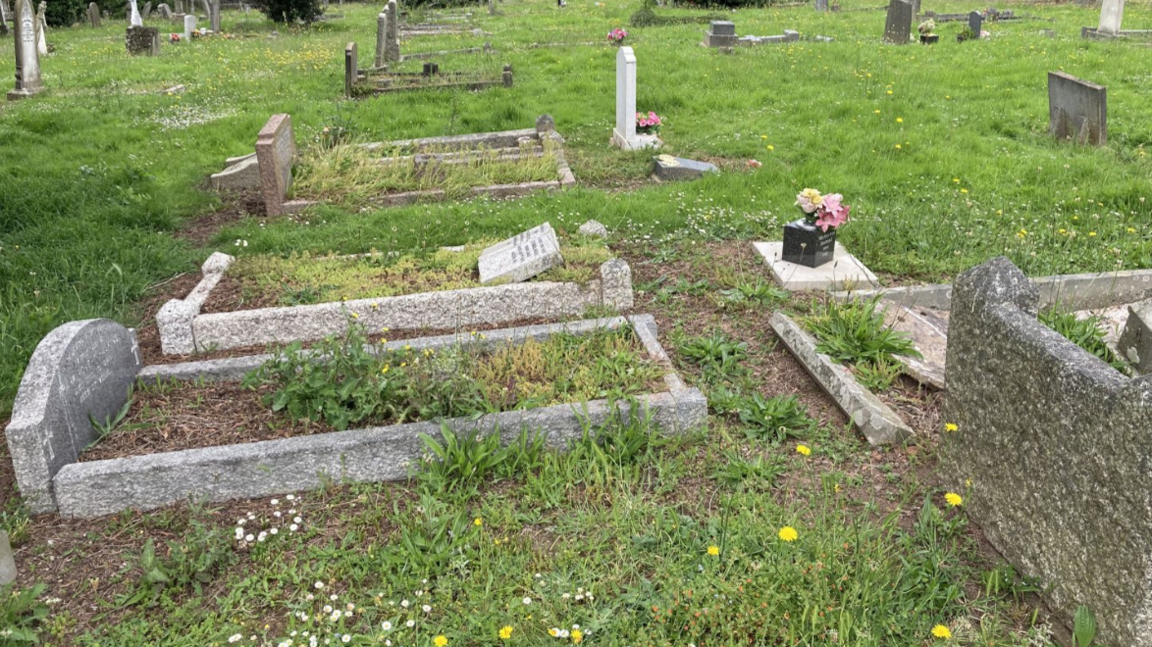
<point>976,22</point>
<point>351,69</point>
<point>805,244</point>
<point>678,168</point>
<point>80,372</point>
<point>507,78</point>
<point>1077,109</point>
<point>142,40</point>
<point>898,26</point>
<point>721,33</point>
<point>1048,439</point>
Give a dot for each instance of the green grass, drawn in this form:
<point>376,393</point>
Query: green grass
<point>101,168</point>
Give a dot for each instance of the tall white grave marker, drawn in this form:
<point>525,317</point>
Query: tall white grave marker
<point>27,57</point>
<point>1111,14</point>
<point>189,26</point>
<point>624,136</point>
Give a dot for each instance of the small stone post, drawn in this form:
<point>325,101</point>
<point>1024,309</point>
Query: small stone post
<point>381,38</point>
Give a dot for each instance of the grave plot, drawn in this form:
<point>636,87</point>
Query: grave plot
<point>503,164</point>
<point>264,300</point>
<point>351,411</point>
<point>383,80</point>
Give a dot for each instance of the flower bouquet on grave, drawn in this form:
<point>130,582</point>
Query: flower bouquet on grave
<point>173,38</point>
<point>927,31</point>
<point>617,36</point>
<point>648,124</point>
<point>811,240</point>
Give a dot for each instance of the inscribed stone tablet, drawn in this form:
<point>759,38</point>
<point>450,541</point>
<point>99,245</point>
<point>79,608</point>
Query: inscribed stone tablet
<point>521,257</point>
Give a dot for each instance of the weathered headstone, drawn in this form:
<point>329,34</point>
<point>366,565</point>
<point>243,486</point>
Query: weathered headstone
<point>207,8</point>
<point>42,29</point>
<point>1111,15</point>
<point>189,26</point>
<point>1049,438</point>
<point>670,167</point>
<point>93,14</point>
<point>898,26</point>
<point>821,5</point>
<point>164,11</point>
<point>721,33</point>
<point>147,11</point>
<point>80,372</point>
<point>1135,344</point>
<point>28,80</point>
<point>392,33</point>
<point>143,40</point>
<point>180,6</point>
<point>351,71</point>
<point>593,229</point>
<point>545,124</point>
<point>976,23</point>
<point>624,135</point>
<point>240,174</point>
<point>5,17</point>
<point>381,37</point>
<point>215,8</point>
<point>276,152</point>
<point>7,561</point>
<point>1077,109</point>
<point>521,257</point>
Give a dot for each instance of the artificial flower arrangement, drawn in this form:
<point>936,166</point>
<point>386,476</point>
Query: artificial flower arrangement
<point>174,38</point>
<point>811,241</point>
<point>617,36</point>
<point>648,124</point>
<point>927,28</point>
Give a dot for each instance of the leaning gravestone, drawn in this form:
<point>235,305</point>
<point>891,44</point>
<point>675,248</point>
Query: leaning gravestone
<point>79,372</point>
<point>898,26</point>
<point>1111,15</point>
<point>7,561</point>
<point>721,33</point>
<point>976,23</point>
<point>28,80</point>
<point>521,257</point>
<point>147,12</point>
<point>351,68</point>
<point>275,153</point>
<point>1077,109</point>
<point>94,14</point>
<point>164,11</point>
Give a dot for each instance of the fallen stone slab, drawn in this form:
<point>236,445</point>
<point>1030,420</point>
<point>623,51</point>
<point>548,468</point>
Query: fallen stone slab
<point>241,174</point>
<point>928,331</point>
<point>879,423</point>
<point>670,168</point>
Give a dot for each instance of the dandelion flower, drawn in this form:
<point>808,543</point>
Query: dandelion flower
<point>440,641</point>
<point>899,120</point>
<point>505,632</point>
<point>477,522</point>
<point>953,499</point>
<point>942,632</point>
<point>713,550</point>
<point>789,534</point>
<point>804,450</point>
<point>577,636</point>
<point>950,426</point>
<point>771,147</point>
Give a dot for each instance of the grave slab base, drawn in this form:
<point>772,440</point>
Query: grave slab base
<point>844,272</point>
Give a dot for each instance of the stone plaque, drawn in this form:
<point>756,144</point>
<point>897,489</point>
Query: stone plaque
<point>521,257</point>
<point>1077,109</point>
<point>79,371</point>
<point>898,27</point>
<point>275,153</point>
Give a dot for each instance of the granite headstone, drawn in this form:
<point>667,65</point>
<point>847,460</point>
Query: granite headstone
<point>521,257</point>
<point>276,152</point>
<point>1077,109</point>
<point>898,26</point>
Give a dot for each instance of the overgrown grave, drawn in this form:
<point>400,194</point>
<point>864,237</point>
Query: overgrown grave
<point>353,410</point>
<point>266,300</point>
<point>369,82</point>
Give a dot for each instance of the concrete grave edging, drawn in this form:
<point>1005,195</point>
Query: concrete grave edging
<point>372,454</point>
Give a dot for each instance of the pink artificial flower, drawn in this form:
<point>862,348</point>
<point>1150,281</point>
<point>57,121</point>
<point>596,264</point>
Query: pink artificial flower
<point>753,164</point>
<point>832,213</point>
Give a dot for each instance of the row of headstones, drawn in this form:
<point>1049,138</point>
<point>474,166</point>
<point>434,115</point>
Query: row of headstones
<point>388,35</point>
<point>898,24</point>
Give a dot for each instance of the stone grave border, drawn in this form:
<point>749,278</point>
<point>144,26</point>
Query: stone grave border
<point>1088,291</point>
<point>184,330</point>
<point>256,469</point>
<point>430,79</point>
<point>876,420</point>
<point>1125,34</point>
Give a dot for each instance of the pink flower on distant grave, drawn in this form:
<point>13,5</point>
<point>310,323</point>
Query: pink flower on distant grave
<point>753,164</point>
<point>832,213</point>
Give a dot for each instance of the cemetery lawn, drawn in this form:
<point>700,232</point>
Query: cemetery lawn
<point>778,525</point>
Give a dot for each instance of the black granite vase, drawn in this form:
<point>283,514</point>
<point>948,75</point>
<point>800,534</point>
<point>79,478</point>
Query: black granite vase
<point>805,244</point>
<point>929,39</point>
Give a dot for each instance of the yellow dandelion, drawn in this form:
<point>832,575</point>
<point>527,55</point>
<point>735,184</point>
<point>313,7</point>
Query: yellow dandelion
<point>1131,230</point>
<point>963,190</point>
<point>876,112</point>
<point>577,636</point>
<point>788,533</point>
<point>942,632</point>
<point>950,426</point>
<point>713,550</point>
<point>477,522</point>
<point>953,499</point>
<point>440,640</point>
<point>897,146</point>
<point>763,136</point>
<point>803,450</point>
<point>836,488</point>
<point>505,632</point>
<point>771,147</point>
<point>1091,233</point>
<point>384,370</point>
<point>899,120</point>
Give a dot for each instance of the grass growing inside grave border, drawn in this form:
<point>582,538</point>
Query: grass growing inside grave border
<point>853,332</point>
<point>1084,332</point>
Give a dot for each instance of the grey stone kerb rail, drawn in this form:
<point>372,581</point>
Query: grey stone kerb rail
<point>1056,446</point>
<point>184,330</point>
<point>268,467</point>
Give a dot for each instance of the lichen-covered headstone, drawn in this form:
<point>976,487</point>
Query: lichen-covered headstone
<point>1077,109</point>
<point>898,26</point>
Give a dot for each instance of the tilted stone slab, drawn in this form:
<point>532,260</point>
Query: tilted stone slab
<point>240,175</point>
<point>1077,109</point>
<point>1056,447</point>
<point>276,152</point>
<point>522,256</point>
<point>879,424</point>
<point>373,454</point>
<point>81,369</point>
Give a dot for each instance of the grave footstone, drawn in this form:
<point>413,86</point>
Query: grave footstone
<point>521,257</point>
<point>721,33</point>
<point>275,153</point>
<point>94,14</point>
<point>898,26</point>
<point>625,135</point>
<point>1111,15</point>
<point>381,38</point>
<point>7,561</point>
<point>593,229</point>
<point>28,80</point>
<point>1077,109</point>
<point>669,167</point>
<point>189,26</point>
<point>976,23</point>
<point>392,33</point>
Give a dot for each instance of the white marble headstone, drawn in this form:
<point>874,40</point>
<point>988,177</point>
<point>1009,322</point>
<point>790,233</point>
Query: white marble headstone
<point>626,94</point>
<point>134,17</point>
<point>189,26</point>
<point>1111,15</point>
<point>521,257</point>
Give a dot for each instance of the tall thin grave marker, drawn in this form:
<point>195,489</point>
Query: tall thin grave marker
<point>624,135</point>
<point>28,80</point>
